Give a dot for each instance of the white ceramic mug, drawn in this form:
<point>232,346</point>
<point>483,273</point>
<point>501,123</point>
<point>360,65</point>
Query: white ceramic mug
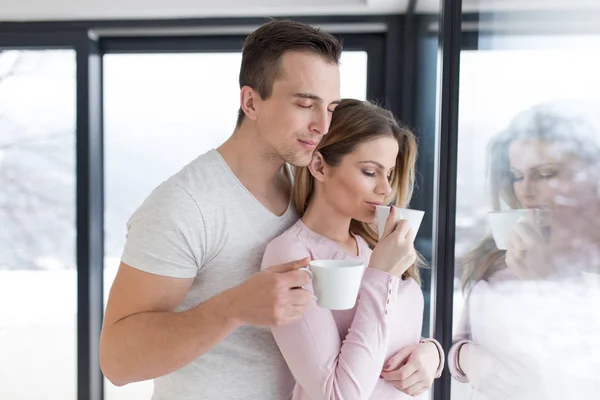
<point>335,282</point>
<point>414,217</point>
<point>503,223</point>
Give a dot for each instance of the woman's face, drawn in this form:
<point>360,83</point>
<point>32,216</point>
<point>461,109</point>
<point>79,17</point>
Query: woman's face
<point>536,171</point>
<point>546,175</point>
<point>362,180</point>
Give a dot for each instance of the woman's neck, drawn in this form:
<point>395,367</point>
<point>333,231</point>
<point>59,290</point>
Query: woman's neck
<point>321,217</point>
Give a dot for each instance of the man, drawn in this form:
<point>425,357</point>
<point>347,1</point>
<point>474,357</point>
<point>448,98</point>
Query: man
<point>189,307</point>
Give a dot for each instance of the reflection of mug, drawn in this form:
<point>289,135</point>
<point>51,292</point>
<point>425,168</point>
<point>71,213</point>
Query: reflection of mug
<point>414,218</point>
<point>335,282</point>
<point>503,223</point>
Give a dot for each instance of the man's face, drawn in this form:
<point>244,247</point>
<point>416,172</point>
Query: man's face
<point>294,119</point>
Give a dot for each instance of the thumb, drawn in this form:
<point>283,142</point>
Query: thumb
<point>289,266</point>
<point>390,222</point>
<point>398,359</point>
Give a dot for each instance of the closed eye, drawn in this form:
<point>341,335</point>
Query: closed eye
<point>548,175</point>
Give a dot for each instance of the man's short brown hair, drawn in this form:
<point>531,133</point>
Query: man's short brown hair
<point>263,49</point>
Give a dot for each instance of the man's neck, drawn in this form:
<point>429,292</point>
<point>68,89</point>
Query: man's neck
<point>251,161</point>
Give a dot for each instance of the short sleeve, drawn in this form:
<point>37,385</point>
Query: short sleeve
<point>166,234</point>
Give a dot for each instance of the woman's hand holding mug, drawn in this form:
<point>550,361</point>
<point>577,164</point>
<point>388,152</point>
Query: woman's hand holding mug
<point>395,252</point>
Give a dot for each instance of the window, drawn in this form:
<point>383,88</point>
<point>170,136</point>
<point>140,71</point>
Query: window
<point>512,91</point>
<point>38,277</point>
<point>160,112</point>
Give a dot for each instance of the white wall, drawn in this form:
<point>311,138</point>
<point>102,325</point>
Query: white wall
<point>27,10</point>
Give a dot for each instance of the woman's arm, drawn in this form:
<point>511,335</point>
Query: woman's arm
<point>323,364</point>
<point>462,336</point>
<point>441,355</point>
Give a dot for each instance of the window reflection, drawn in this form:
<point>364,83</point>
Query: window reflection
<point>528,222</point>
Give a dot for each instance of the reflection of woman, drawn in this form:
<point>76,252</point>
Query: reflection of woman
<point>372,351</point>
<point>544,160</point>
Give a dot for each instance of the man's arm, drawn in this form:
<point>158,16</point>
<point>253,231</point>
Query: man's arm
<point>143,338</point>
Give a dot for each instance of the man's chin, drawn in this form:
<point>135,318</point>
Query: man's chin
<point>298,160</point>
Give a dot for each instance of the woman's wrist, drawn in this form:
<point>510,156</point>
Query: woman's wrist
<point>440,353</point>
<point>462,360</point>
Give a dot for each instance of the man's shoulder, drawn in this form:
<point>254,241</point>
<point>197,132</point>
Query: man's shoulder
<point>188,187</point>
<point>205,178</point>
<point>204,169</point>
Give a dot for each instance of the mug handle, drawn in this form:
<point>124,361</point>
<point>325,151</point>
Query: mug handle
<point>309,272</point>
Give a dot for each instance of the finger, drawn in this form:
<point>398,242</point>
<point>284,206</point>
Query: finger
<point>402,227</point>
<point>408,370</point>
<point>390,222</point>
<point>515,243</point>
<point>289,266</point>
<point>398,359</point>
<point>416,389</point>
<point>412,380</point>
<point>295,279</point>
<point>401,374</point>
<point>514,260</point>
<point>410,235</point>
<point>301,297</point>
<point>538,219</point>
<point>528,235</point>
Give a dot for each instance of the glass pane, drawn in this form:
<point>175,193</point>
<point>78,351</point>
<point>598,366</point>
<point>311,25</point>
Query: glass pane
<point>156,122</point>
<point>527,276</point>
<point>38,277</point>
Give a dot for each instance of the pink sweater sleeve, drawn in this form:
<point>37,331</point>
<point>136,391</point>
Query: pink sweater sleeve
<point>462,335</point>
<point>322,364</point>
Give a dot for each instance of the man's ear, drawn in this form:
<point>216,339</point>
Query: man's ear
<point>317,166</point>
<point>249,99</point>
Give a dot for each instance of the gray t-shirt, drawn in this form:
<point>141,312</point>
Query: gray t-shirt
<point>202,223</point>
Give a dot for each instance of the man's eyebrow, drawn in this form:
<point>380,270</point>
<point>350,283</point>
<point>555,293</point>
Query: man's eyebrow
<point>308,96</point>
<point>313,97</point>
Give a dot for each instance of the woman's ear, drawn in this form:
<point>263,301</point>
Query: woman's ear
<point>317,166</point>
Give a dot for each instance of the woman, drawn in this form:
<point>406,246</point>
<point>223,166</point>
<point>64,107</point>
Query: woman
<point>372,351</point>
<point>547,159</point>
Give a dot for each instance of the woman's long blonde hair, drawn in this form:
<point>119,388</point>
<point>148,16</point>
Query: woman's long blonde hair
<point>355,122</point>
<point>545,122</point>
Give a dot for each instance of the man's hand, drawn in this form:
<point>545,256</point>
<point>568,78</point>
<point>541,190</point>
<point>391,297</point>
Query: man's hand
<point>272,297</point>
<point>412,370</point>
